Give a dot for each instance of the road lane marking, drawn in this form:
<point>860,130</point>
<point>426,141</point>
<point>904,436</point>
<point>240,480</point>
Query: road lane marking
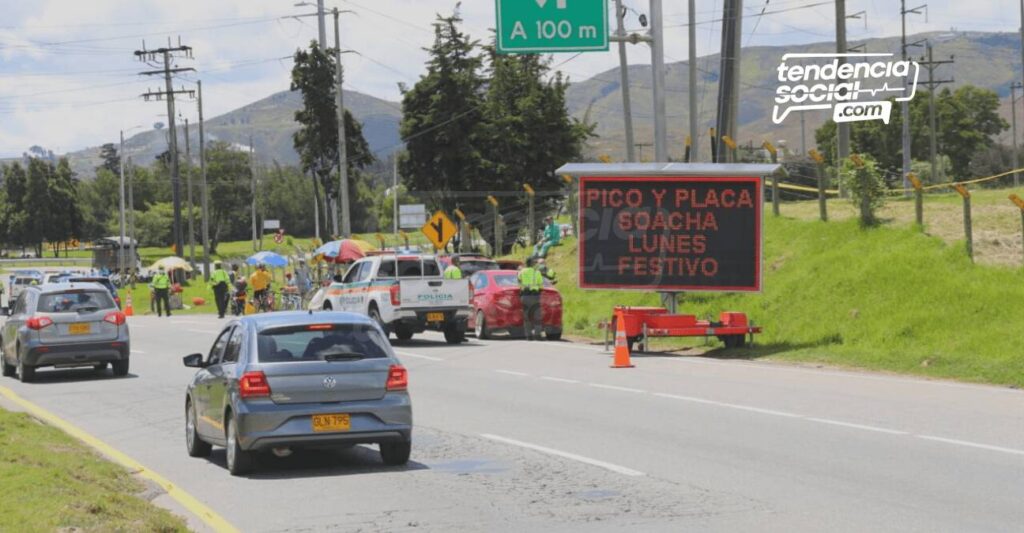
<point>614,387</point>
<point>203,331</point>
<point>418,356</point>
<point>857,426</point>
<point>566,455</point>
<point>189,502</point>
<point>729,405</point>
<point>559,380</point>
<point>972,444</point>
<point>513,373</point>
<point>138,351</point>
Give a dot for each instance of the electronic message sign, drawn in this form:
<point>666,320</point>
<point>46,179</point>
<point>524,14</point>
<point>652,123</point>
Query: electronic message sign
<point>671,233</point>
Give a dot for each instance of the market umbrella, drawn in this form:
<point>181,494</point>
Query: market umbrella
<point>268,258</point>
<point>172,263</point>
<point>345,250</point>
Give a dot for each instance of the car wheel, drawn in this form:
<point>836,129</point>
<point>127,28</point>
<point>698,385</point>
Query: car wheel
<point>8,370</point>
<point>25,373</point>
<point>239,460</point>
<point>374,315</point>
<point>554,335</point>
<point>454,335</point>
<point>403,334</point>
<point>395,453</point>
<point>480,328</point>
<point>99,367</point>
<point>196,447</point>
<point>120,367</point>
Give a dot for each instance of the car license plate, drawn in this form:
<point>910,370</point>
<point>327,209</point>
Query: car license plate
<point>435,317</point>
<point>79,329</point>
<point>334,422</point>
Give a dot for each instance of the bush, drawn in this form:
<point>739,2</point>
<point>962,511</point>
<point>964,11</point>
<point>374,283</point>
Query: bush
<point>867,189</point>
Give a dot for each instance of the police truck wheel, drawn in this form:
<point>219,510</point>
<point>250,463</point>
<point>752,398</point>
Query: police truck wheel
<point>480,328</point>
<point>403,333</point>
<point>454,335</point>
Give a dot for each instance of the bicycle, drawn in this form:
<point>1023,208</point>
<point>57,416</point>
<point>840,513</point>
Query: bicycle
<point>291,300</point>
<point>265,304</point>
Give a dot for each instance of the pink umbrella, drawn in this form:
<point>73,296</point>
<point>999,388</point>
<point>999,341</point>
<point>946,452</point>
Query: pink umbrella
<point>344,250</point>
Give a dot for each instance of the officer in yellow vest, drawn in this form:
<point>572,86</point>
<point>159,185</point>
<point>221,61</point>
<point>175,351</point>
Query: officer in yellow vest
<point>220,281</point>
<point>162,289</point>
<point>531,281</point>
<point>453,271</point>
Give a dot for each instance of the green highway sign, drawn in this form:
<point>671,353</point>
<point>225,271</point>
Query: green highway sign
<point>547,26</point>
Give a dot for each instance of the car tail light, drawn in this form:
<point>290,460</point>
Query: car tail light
<point>398,378</point>
<point>320,327</point>
<point>38,322</point>
<point>396,295</point>
<point>116,318</point>
<point>253,385</point>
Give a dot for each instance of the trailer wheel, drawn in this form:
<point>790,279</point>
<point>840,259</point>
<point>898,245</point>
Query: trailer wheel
<point>734,341</point>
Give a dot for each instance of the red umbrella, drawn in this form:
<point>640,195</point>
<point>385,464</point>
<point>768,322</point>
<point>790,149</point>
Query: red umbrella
<point>344,250</point>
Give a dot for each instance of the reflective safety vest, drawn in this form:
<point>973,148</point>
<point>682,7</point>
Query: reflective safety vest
<point>161,281</point>
<point>452,272</point>
<point>530,280</point>
<point>219,276</point>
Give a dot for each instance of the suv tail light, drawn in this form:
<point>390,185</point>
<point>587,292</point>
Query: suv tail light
<point>253,385</point>
<point>396,295</point>
<point>116,318</point>
<point>38,322</point>
<point>398,378</point>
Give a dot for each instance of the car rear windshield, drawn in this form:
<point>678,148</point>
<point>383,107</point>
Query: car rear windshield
<point>75,301</point>
<point>102,281</point>
<point>415,268</point>
<point>320,342</point>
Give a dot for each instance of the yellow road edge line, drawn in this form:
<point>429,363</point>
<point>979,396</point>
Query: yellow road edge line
<point>207,515</point>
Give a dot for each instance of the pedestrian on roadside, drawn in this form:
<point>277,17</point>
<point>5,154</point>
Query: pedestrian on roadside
<point>302,278</point>
<point>552,237</point>
<point>530,283</point>
<point>161,287</point>
<point>220,281</point>
<point>453,271</point>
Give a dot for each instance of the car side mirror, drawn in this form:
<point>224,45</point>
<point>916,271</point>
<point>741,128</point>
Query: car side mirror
<point>193,361</point>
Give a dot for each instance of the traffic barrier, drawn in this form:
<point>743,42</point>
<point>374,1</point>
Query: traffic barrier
<point>621,344</point>
<point>128,310</point>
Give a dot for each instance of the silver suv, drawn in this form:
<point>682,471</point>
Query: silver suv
<point>280,381</point>
<point>64,325</point>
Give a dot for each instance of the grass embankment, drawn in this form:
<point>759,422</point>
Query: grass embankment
<point>51,482</point>
<point>885,298</point>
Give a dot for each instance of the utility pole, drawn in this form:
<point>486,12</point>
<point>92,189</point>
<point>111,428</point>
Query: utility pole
<point>842,128</point>
<point>803,134</point>
<point>905,105</point>
<point>657,35</point>
<point>169,92</point>
<point>1015,178</point>
<point>346,221</point>
<point>932,84</point>
<point>321,24</point>
<point>627,106</point>
<point>252,189</point>
<point>188,188</point>
<point>694,143</point>
<point>206,193</point>
<point>131,221</point>
<point>1013,112</point>
<point>120,244</point>
<point>728,85</point>
<point>394,193</point>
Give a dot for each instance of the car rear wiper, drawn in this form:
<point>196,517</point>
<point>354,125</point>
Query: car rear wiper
<point>342,356</point>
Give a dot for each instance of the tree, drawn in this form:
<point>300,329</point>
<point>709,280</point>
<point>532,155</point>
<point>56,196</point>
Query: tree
<point>228,176</point>
<point>316,140</point>
<point>111,159</point>
<point>65,220</point>
<point>867,189</point>
<point>14,216</point>
<point>37,204</point>
<point>969,118</point>
<point>442,120</point>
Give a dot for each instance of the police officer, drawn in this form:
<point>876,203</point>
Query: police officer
<point>530,283</point>
<point>453,271</point>
<point>220,281</point>
<point>546,271</point>
<point>162,289</point>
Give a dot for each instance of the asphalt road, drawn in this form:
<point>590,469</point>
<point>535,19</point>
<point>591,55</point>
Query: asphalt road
<point>518,436</point>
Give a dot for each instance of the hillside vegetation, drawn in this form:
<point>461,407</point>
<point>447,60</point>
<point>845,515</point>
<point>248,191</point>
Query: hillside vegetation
<point>886,298</point>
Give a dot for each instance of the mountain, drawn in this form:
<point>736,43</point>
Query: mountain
<point>270,122</point>
<point>990,60</point>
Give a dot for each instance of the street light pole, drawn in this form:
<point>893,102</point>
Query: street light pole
<point>120,244</point>
<point>658,66</point>
<point>346,221</point>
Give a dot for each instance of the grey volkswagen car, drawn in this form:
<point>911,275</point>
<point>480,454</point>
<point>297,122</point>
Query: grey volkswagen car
<point>64,325</point>
<point>279,381</point>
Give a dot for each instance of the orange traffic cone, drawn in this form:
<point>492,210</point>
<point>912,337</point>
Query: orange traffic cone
<point>621,345</point>
<point>128,311</point>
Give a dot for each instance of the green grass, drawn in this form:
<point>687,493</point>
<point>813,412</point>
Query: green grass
<point>888,298</point>
<point>51,482</point>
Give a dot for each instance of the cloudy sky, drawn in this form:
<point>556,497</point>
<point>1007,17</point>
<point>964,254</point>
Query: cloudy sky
<point>69,78</point>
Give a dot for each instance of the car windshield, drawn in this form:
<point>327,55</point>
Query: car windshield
<point>320,342</point>
<point>75,301</point>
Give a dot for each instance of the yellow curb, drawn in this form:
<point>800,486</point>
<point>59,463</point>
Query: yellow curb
<point>207,515</point>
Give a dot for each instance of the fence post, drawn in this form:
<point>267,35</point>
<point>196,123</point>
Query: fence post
<point>530,224</point>
<point>1020,203</point>
<point>966,195</point>
<point>574,211</point>
<point>822,206</point>
<point>775,179</point>
<point>918,199</point>
<point>731,145</point>
<point>496,246</point>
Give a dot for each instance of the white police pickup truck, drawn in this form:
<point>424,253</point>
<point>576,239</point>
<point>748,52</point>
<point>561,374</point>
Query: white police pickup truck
<point>406,294</point>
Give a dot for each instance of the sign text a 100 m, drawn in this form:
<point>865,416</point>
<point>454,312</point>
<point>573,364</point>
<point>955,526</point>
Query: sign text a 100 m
<point>549,26</point>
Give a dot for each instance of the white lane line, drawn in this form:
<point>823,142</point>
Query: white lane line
<point>972,444</point>
<point>857,426</point>
<point>566,455</point>
<point>613,387</point>
<point>559,380</point>
<point>138,351</point>
<point>729,405</point>
<point>513,373</point>
<point>203,331</point>
<point>418,356</point>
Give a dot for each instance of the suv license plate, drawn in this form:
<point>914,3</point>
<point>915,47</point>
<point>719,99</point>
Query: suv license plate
<point>435,317</point>
<point>79,329</point>
<point>334,422</point>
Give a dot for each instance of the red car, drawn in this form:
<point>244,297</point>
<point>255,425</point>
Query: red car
<point>496,305</point>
